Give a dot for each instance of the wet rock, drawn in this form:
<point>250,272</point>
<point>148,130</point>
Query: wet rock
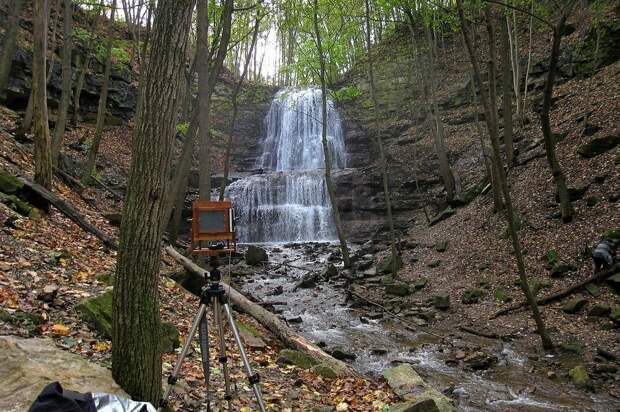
<point>409,386</point>
<point>441,246</point>
<point>324,371</point>
<point>331,271</point>
<point>574,305</point>
<point>598,146</point>
<point>341,354</point>
<point>579,376</point>
<point>378,351</point>
<point>480,361</point>
<point>446,213</point>
<point>295,358</point>
<point>28,365</point>
<point>472,296</point>
<point>385,264</point>
<point>599,310</point>
<point>398,289</point>
<point>307,281</point>
<point>441,301</point>
<point>420,283</point>
<point>278,290</point>
<point>256,255</point>
<point>294,319</point>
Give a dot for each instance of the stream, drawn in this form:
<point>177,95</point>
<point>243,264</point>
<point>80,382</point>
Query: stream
<point>378,343</point>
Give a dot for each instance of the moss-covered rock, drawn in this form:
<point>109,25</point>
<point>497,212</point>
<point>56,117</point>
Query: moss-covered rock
<point>409,386</point>
<point>599,310</point>
<point>574,305</point>
<point>598,146</point>
<point>295,358</point>
<point>579,376</point>
<point>324,371</point>
<point>611,233</point>
<point>422,405</point>
<point>9,183</point>
<point>17,204</point>
<point>169,340</point>
<point>397,289</point>
<point>552,257</point>
<point>615,314</point>
<point>560,269</point>
<point>501,295</point>
<point>420,283</point>
<point>441,301</point>
<point>385,264</point>
<point>472,295</point>
<point>97,312</point>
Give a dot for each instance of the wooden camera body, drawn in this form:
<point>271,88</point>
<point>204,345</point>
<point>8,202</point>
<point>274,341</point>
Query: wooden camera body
<point>213,230</point>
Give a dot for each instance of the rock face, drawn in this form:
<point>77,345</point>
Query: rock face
<point>28,365</point>
<point>255,255</point>
<point>409,386</point>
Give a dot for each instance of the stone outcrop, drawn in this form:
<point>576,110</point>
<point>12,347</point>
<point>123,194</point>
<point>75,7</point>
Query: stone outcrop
<point>28,365</point>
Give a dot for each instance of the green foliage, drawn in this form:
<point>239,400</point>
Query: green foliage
<point>120,55</point>
<point>182,128</point>
<point>346,93</point>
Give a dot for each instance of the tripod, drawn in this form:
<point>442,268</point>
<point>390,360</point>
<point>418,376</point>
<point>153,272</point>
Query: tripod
<point>216,296</point>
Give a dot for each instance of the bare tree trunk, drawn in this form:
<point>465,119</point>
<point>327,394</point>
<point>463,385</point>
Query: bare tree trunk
<point>527,69</point>
<point>326,153</point>
<point>489,118</point>
<point>63,109</point>
<point>506,92</point>
<point>10,42</point>
<point>136,356</point>
<point>91,161</point>
<point>379,143</point>
<point>42,142</point>
<point>566,208</point>
<point>235,94</point>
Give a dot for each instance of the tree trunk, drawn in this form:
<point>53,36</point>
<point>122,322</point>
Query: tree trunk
<point>235,94</point>
<point>59,129</point>
<point>379,142</point>
<point>489,118</point>
<point>136,356</point>
<point>91,161</point>
<point>42,142</point>
<point>326,154</point>
<point>506,92</point>
<point>566,208</point>
<point>10,42</point>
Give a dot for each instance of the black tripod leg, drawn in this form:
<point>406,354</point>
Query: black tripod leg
<point>217,309</point>
<point>203,339</point>
<point>172,379</point>
<point>252,378</point>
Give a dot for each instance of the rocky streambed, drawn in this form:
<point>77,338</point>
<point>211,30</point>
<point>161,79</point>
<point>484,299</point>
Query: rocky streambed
<point>305,285</point>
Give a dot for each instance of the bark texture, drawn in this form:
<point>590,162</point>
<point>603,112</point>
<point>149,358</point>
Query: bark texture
<point>136,358</point>
<point>65,97</point>
<point>42,142</point>
<point>10,42</point>
<point>506,91</point>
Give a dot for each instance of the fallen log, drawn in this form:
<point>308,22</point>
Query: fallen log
<point>66,209</point>
<point>562,293</point>
<point>270,321</point>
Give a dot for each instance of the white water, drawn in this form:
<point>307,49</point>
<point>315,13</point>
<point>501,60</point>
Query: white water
<point>289,200</point>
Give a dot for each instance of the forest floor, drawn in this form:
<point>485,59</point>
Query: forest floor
<point>53,250</point>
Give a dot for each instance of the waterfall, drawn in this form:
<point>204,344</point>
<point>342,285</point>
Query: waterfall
<point>289,201</point>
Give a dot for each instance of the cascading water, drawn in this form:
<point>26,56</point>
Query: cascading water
<point>289,200</point>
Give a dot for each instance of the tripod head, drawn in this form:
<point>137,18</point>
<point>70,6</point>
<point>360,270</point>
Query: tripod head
<point>214,275</point>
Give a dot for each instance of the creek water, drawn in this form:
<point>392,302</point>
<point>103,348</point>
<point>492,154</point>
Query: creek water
<point>509,385</point>
<point>287,201</point>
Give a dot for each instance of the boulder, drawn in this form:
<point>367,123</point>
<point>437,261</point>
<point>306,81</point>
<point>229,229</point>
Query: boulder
<point>579,376</point>
<point>574,305</point>
<point>598,146</point>
<point>472,295</point>
<point>441,301</point>
<point>324,371</point>
<point>255,255</point>
<point>397,289</point>
<point>385,264</point>
<point>341,354</point>
<point>409,386</point>
<point>599,310</point>
<point>28,365</point>
<point>423,405</point>
<point>9,183</point>
<point>295,358</point>
<point>420,283</point>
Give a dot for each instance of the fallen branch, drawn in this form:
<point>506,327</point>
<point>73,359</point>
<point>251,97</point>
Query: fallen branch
<point>562,293</point>
<point>270,321</point>
<point>66,209</point>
